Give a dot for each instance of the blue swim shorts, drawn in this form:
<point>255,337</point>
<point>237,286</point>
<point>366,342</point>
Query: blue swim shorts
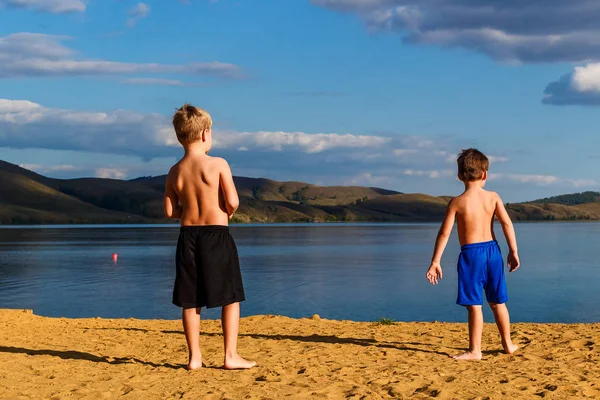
<point>481,267</point>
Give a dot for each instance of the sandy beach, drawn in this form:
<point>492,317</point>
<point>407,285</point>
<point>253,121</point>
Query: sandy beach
<point>61,358</point>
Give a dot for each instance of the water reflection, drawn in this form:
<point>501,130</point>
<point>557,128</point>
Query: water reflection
<point>359,272</point>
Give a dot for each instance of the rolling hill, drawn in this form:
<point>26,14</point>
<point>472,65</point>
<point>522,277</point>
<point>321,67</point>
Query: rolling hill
<point>575,206</point>
<point>30,198</point>
<point>26,197</point>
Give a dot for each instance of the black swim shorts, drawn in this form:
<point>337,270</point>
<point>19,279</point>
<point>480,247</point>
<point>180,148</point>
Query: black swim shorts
<point>208,269</point>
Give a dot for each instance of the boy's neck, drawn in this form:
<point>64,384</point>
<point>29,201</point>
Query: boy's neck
<point>195,149</point>
<point>474,185</point>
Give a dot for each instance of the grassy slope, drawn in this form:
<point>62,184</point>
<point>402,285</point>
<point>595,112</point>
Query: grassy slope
<point>24,199</point>
<point>571,199</point>
<point>27,197</point>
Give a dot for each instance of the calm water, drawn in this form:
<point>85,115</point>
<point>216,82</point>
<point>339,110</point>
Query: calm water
<point>358,272</point>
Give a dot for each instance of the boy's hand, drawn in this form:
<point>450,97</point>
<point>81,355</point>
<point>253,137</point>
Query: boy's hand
<point>434,273</point>
<point>513,261</point>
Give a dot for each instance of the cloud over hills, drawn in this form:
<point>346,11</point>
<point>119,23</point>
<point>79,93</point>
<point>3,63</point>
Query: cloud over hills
<point>385,160</point>
<point>25,124</point>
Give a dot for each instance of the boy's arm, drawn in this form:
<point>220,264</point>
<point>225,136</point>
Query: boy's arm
<point>232,202</point>
<point>509,234</point>
<point>171,201</point>
<point>435,269</point>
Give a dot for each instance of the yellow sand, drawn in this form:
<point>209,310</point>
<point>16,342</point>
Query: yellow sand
<point>59,358</point>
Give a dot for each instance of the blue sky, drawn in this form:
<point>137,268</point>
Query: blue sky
<point>338,92</point>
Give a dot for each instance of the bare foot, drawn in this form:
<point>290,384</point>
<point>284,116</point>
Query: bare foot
<point>511,348</point>
<point>194,364</point>
<point>469,355</point>
<point>237,362</point>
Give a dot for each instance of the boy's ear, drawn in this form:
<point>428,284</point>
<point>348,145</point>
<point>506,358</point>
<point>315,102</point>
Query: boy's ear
<point>484,176</point>
<point>204,135</point>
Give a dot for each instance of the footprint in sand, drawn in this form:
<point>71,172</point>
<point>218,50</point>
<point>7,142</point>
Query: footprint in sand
<point>582,343</point>
<point>550,387</point>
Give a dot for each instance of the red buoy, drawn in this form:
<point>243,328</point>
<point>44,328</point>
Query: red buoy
<point>115,257</point>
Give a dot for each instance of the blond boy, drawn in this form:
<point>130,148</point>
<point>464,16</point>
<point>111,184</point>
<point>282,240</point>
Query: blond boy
<point>480,264</point>
<point>200,193</point>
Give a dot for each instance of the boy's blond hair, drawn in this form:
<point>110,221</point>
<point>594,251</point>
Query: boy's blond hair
<point>189,123</point>
<point>471,165</point>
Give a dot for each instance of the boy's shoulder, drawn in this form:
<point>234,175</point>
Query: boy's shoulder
<point>465,197</point>
<point>219,160</point>
<point>216,164</point>
<point>174,169</point>
<point>492,195</point>
<point>213,163</point>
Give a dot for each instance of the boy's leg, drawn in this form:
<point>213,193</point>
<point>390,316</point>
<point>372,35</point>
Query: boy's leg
<point>503,322</point>
<point>475,331</point>
<point>230,321</point>
<point>191,328</point>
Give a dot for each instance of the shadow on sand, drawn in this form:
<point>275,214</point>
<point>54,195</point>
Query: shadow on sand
<point>330,339</point>
<point>79,355</point>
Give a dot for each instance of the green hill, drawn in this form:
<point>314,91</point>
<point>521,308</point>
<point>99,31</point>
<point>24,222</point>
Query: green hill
<point>295,192</point>
<point>571,199</point>
<point>30,198</point>
<point>574,206</point>
<point>26,198</point>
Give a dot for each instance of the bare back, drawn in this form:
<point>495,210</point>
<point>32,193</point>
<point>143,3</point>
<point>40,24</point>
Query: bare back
<point>475,210</point>
<point>202,187</point>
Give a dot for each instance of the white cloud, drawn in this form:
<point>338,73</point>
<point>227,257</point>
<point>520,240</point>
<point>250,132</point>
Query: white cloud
<point>50,169</point>
<point>393,180</point>
<point>112,173</point>
<point>451,158</point>
<point>587,79</point>
<point>308,142</point>
<point>509,31</point>
<point>404,152</point>
<point>137,12</point>
<point>34,54</point>
<point>316,93</point>
<point>433,174</point>
<point>431,151</point>
<point>332,157</point>
<point>49,6</point>
<point>506,30</point>
<point>582,86</point>
<point>543,180</point>
<point>24,124</point>
<point>535,179</point>
<point>580,183</point>
<point>160,82</point>
<point>112,167</point>
<point>368,179</point>
<point>497,159</point>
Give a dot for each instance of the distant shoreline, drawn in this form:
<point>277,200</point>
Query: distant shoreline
<point>269,224</point>
<point>36,200</point>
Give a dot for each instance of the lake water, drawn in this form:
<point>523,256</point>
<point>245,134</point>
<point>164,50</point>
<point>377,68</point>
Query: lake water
<point>347,271</point>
